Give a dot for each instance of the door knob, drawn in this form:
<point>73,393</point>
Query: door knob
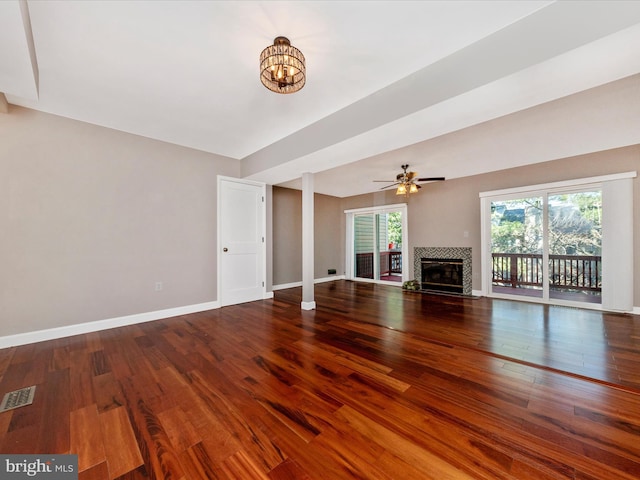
<point>225,249</point>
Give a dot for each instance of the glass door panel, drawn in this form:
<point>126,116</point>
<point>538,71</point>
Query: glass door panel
<point>389,246</point>
<point>575,246</point>
<point>377,246</point>
<point>363,245</point>
<point>517,245</point>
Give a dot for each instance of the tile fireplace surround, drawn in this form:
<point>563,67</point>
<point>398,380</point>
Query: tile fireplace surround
<point>446,252</point>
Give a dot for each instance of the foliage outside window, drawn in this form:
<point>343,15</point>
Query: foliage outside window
<point>575,224</point>
<point>394,227</point>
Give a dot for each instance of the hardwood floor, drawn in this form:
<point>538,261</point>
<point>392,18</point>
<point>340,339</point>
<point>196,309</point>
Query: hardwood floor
<point>375,384</point>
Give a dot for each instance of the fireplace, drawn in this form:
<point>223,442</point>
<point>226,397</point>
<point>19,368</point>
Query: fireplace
<point>442,274</point>
<point>446,254</point>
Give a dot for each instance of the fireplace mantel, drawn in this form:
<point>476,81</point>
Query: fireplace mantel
<point>446,252</point>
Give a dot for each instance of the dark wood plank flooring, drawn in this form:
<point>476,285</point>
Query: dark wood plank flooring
<point>375,384</point>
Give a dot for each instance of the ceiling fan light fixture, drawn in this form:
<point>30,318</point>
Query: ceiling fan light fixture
<point>402,189</point>
<point>282,67</point>
<point>407,182</point>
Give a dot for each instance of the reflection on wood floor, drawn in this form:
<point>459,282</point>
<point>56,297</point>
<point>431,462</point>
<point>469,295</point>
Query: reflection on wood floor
<point>589,343</point>
<point>376,383</point>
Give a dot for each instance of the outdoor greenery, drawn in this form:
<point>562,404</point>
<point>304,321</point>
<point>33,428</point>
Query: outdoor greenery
<point>575,224</point>
<point>394,227</point>
<point>516,226</point>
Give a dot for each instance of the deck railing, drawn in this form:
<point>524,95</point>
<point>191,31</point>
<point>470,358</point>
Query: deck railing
<point>390,263</point>
<point>574,272</point>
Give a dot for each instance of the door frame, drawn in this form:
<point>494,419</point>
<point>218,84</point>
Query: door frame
<point>349,246</point>
<point>263,262</point>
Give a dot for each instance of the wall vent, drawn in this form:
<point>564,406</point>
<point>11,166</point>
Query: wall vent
<point>18,398</point>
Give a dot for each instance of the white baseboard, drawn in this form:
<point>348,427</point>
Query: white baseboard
<point>284,286</point>
<point>89,327</point>
<point>332,278</point>
<point>78,329</point>
<point>267,295</point>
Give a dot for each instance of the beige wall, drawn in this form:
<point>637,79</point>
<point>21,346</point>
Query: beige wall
<point>287,236</point>
<point>91,218</point>
<point>329,242</point>
<point>441,213</point>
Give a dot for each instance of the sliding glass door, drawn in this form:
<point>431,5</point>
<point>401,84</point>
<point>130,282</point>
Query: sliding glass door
<point>564,243</point>
<point>548,246</point>
<point>375,246</point>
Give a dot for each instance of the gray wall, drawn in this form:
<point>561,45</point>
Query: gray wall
<point>91,218</point>
<point>328,240</point>
<point>287,236</point>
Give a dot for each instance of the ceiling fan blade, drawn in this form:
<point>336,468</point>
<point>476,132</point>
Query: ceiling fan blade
<point>431,179</point>
<point>391,185</point>
<point>387,181</point>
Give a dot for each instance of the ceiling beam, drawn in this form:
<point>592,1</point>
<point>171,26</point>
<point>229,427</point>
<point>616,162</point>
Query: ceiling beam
<point>556,29</point>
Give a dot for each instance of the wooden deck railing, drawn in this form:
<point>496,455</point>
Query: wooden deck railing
<point>390,263</point>
<point>576,272</point>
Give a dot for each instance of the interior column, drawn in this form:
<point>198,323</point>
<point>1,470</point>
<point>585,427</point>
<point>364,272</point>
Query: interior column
<point>308,257</point>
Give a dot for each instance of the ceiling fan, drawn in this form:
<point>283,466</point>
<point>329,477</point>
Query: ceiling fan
<point>406,181</point>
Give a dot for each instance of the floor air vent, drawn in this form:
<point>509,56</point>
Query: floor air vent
<point>18,398</point>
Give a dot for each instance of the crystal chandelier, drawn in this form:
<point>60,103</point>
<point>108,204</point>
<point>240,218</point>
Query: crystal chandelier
<point>282,67</point>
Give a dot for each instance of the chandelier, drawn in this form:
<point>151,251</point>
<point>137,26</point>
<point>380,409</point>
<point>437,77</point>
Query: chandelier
<point>282,67</point>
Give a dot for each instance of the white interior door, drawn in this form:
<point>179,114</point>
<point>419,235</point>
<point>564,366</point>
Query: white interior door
<point>241,247</point>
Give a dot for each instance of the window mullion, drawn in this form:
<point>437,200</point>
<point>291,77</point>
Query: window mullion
<point>545,246</point>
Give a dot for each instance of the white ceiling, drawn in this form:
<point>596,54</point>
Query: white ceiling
<point>380,75</point>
